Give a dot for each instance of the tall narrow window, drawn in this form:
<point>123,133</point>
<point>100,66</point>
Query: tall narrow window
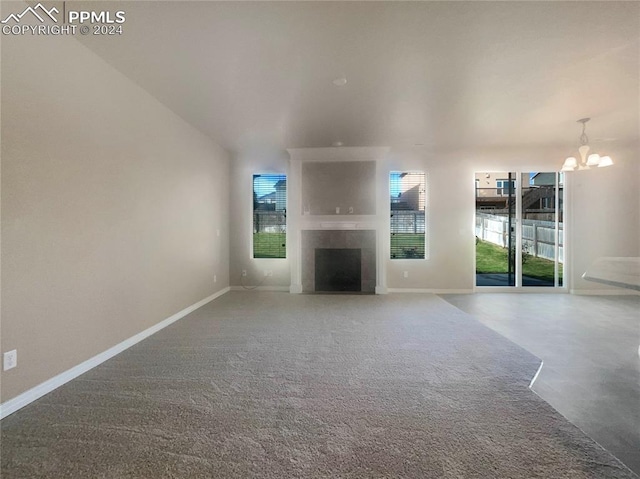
<point>408,198</point>
<point>269,216</point>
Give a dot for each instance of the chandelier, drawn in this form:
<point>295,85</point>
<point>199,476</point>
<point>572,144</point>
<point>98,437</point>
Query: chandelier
<point>586,161</point>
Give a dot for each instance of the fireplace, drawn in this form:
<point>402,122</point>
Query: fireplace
<point>338,269</point>
<point>338,260</point>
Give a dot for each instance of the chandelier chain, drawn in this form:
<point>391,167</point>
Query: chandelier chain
<point>584,139</point>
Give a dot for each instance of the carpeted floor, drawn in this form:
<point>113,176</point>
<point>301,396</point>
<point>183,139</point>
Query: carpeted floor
<point>274,385</point>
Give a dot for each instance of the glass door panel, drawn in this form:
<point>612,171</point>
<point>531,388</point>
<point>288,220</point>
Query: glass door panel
<point>496,234</point>
<point>560,231</point>
<point>541,220</point>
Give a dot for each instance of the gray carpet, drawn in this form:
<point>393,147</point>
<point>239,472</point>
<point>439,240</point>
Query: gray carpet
<point>276,385</point>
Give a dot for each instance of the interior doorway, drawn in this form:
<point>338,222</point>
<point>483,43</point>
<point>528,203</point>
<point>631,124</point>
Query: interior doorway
<point>519,229</point>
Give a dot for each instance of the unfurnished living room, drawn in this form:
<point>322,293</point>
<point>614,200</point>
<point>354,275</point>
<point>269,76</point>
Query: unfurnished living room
<point>320,239</point>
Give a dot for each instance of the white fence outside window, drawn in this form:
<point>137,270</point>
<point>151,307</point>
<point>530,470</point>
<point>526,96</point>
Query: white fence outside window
<point>538,237</point>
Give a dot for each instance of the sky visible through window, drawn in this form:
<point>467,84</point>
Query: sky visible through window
<point>265,184</point>
<point>394,184</point>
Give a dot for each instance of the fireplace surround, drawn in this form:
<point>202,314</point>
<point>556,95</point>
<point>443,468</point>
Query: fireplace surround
<point>337,249</point>
<point>326,211</point>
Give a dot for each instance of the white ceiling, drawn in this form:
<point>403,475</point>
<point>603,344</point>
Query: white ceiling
<point>443,74</point>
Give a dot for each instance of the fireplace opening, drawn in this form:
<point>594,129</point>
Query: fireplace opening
<point>338,269</point>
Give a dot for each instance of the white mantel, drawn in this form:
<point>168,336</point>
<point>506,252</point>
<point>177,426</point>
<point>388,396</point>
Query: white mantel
<point>297,221</point>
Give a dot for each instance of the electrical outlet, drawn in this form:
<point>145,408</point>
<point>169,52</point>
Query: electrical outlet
<point>10,359</point>
<point>269,272</point>
<point>405,274</point>
<point>337,210</point>
<point>218,232</point>
<point>215,278</point>
<point>244,272</point>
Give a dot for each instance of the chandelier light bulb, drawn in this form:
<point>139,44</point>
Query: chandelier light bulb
<point>570,163</point>
<point>593,159</point>
<point>605,161</point>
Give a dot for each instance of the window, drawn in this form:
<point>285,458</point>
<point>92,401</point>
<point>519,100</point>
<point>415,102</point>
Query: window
<point>408,198</point>
<point>269,216</point>
<point>503,186</point>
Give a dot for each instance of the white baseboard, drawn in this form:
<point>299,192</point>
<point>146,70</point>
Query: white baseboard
<point>20,401</point>
<point>430,291</point>
<point>260,288</point>
<point>605,292</point>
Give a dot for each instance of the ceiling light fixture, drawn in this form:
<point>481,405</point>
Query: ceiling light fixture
<point>586,162</point>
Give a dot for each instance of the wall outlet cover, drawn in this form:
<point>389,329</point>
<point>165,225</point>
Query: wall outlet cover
<point>10,360</point>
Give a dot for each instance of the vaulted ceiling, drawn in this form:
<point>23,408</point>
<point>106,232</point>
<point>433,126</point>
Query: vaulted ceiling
<point>440,74</point>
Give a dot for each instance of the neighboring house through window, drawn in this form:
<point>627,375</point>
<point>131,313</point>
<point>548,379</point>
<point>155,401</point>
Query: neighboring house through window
<point>269,216</point>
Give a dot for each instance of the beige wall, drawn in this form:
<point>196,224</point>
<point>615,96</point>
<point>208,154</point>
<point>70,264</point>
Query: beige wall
<point>260,160</point>
<point>450,205</point>
<point>605,219</point>
<point>111,208</point>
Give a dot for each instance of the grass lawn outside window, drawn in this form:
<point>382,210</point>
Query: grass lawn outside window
<point>491,258</point>
<point>269,245</point>
<point>407,245</point>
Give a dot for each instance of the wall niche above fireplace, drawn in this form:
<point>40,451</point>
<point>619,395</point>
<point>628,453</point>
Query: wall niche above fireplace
<point>339,188</point>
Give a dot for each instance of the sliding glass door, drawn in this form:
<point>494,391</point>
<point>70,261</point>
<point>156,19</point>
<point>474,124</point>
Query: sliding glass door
<point>519,234</point>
